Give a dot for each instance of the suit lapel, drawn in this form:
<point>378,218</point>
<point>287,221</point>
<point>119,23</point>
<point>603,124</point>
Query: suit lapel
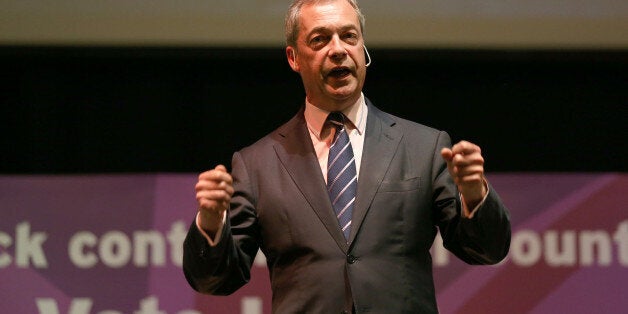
<point>294,149</point>
<point>380,143</point>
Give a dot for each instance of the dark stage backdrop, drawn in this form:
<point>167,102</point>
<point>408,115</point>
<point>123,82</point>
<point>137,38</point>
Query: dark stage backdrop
<point>130,109</point>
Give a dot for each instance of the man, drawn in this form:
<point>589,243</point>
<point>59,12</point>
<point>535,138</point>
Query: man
<point>339,239</point>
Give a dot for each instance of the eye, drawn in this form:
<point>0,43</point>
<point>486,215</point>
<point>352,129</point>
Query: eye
<point>350,37</point>
<point>318,41</point>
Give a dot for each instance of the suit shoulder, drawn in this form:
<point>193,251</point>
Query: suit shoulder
<point>414,134</point>
<point>411,126</point>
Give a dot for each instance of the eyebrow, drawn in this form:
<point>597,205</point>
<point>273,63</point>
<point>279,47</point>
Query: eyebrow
<point>324,29</point>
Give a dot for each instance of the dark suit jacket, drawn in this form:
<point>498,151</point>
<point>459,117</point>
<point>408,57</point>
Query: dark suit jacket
<point>404,192</point>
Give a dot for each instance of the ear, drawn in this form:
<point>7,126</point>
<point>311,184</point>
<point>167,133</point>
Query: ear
<point>291,54</point>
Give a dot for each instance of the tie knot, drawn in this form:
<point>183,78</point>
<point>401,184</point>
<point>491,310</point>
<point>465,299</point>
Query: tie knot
<point>336,118</point>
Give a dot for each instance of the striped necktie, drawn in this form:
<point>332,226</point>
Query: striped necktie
<point>342,181</point>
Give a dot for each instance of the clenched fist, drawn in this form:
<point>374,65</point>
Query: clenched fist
<point>213,193</point>
<point>466,166</point>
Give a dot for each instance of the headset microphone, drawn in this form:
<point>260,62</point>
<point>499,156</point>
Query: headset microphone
<point>367,56</point>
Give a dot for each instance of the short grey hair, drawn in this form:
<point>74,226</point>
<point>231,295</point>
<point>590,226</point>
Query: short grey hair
<point>294,12</point>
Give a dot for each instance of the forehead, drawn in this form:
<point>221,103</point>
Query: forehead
<point>327,14</point>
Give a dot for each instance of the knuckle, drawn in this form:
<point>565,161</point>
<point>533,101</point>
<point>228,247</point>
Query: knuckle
<point>203,175</point>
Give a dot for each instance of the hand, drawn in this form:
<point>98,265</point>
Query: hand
<point>213,193</point>
<point>466,166</point>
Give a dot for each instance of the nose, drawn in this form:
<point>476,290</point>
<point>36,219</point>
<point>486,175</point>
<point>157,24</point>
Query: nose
<point>337,49</point>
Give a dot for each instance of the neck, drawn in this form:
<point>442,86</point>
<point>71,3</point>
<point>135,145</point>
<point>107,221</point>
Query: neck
<point>334,104</point>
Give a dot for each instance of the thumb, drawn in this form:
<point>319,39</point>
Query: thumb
<point>447,154</point>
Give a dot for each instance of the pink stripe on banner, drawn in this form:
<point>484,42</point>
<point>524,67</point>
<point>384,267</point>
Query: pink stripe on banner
<point>15,283</point>
<point>520,288</point>
<point>453,298</point>
<point>549,216</point>
<point>590,290</point>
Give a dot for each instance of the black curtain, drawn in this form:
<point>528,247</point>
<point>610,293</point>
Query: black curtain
<point>158,109</point>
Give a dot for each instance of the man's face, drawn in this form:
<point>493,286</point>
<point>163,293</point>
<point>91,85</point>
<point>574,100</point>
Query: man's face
<point>329,54</point>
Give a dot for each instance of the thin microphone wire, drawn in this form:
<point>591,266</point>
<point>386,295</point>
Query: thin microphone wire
<point>367,56</point>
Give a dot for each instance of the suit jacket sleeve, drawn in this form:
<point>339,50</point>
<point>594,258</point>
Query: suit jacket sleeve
<point>224,268</point>
<point>483,239</point>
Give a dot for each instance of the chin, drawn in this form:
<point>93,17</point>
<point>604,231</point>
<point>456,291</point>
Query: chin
<point>343,93</point>
<point>342,96</point>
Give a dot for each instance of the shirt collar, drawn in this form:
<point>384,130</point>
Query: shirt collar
<point>315,117</point>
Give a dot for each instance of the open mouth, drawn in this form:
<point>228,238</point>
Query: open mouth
<point>339,72</point>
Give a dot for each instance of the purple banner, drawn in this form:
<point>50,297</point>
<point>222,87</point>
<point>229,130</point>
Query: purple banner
<point>113,244</point>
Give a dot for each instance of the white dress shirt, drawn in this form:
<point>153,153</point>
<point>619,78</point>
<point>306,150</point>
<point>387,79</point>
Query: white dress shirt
<point>322,134</point>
